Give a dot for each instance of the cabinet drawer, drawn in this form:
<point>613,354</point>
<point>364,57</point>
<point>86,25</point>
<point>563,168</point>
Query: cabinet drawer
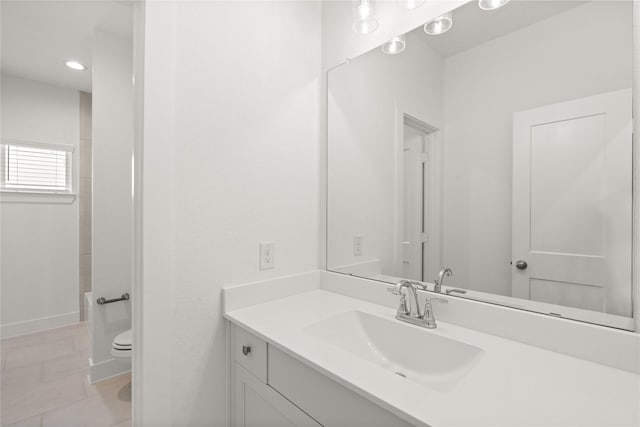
<point>255,359</point>
<point>328,402</point>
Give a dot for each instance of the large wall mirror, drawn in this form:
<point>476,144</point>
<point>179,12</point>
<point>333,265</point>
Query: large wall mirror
<point>501,149</point>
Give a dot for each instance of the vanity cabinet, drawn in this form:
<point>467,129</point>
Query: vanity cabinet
<point>271,388</point>
<point>258,405</point>
<point>255,403</point>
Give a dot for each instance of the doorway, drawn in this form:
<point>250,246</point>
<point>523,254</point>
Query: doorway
<point>420,219</point>
<point>67,101</point>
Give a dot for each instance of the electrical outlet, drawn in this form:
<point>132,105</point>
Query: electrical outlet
<point>357,245</point>
<point>267,260</point>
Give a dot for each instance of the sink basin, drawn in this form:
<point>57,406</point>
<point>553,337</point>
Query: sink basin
<point>416,354</point>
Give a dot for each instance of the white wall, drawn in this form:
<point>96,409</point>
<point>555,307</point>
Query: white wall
<point>238,141</point>
<point>112,222</point>
<point>545,63</point>
<point>364,102</point>
<point>39,241</point>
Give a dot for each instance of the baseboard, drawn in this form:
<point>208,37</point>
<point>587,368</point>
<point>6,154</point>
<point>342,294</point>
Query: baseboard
<point>37,325</point>
<point>108,368</point>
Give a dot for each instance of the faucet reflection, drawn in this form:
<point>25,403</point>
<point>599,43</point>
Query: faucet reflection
<point>445,272</point>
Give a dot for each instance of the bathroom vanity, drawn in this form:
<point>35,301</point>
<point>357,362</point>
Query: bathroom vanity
<point>303,352</point>
<point>274,388</point>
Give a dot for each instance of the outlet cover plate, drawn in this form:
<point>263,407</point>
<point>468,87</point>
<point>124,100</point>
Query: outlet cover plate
<point>267,255</point>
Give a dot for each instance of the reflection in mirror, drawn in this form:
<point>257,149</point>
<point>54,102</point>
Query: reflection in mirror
<point>501,149</point>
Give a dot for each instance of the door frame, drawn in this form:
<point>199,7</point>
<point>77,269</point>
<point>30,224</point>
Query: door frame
<point>152,304</point>
<point>432,187</point>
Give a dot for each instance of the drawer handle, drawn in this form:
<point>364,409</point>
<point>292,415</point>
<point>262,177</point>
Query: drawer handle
<point>246,349</point>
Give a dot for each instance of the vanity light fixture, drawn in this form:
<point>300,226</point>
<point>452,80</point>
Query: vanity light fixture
<point>395,45</point>
<point>75,65</point>
<point>440,25</point>
<point>410,4</point>
<point>491,4</point>
<point>364,16</point>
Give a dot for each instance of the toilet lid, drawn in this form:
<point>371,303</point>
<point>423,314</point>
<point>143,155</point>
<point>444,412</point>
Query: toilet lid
<point>123,341</point>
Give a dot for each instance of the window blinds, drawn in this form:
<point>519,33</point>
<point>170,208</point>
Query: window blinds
<point>33,167</point>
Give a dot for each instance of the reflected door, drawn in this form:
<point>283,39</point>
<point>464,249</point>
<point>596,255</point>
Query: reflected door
<point>413,203</point>
<point>572,203</point>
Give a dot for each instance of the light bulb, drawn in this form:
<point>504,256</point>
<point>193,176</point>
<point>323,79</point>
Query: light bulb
<point>75,65</point>
<point>395,45</point>
<point>364,9</point>
<point>410,4</point>
<point>491,4</point>
<point>364,16</point>
<point>440,25</point>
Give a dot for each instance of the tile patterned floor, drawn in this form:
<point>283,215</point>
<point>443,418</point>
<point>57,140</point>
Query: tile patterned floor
<point>44,383</point>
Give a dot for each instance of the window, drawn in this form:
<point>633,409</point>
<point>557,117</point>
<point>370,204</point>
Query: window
<point>35,168</point>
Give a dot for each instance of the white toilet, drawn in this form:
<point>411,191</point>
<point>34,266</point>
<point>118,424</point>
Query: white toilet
<point>121,346</point>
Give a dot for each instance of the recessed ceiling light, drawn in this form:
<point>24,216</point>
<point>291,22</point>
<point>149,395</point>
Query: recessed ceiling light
<point>440,25</point>
<point>394,46</point>
<point>491,4</point>
<point>75,65</point>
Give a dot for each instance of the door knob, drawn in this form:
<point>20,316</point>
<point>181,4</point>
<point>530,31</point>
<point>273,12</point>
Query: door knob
<point>521,264</point>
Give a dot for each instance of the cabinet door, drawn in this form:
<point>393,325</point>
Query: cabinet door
<point>258,405</point>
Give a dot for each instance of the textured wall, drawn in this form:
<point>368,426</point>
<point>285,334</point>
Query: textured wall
<point>232,115</point>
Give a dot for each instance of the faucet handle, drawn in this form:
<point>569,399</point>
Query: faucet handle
<point>402,307</point>
<point>428,300</point>
<point>427,316</point>
<point>419,285</point>
<point>394,290</point>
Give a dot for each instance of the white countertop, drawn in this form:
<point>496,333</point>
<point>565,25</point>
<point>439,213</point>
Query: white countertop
<point>514,384</point>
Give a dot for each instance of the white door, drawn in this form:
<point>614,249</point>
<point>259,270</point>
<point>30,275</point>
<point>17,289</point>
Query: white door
<point>572,208</point>
<point>413,200</point>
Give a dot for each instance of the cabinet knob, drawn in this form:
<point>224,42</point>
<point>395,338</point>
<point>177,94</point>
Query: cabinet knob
<point>246,349</point>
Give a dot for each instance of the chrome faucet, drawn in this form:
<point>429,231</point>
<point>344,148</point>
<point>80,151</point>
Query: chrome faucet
<point>412,287</point>
<point>412,314</point>
<point>441,275</point>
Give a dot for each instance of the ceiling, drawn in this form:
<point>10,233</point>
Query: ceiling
<point>473,26</point>
<point>39,36</point>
